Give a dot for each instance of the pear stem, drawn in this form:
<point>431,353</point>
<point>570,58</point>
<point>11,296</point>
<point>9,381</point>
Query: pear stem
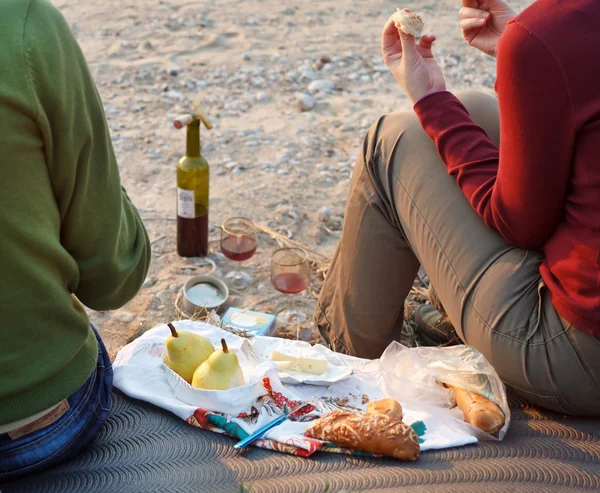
<point>224,344</point>
<point>173,330</point>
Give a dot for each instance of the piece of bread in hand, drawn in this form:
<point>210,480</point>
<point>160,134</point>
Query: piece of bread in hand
<point>375,433</point>
<point>408,22</point>
<point>388,406</point>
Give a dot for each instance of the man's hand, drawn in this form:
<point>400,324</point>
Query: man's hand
<point>412,65</point>
<point>482,23</point>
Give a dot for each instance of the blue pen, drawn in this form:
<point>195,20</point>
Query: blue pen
<point>269,426</point>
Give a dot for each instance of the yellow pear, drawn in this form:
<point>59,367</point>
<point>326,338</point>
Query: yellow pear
<point>221,371</point>
<point>186,351</point>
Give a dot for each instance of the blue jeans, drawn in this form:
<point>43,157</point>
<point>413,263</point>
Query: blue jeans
<point>70,434</point>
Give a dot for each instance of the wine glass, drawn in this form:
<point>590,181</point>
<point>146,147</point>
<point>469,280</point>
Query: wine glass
<point>290,275</point>
<point>238,243</point>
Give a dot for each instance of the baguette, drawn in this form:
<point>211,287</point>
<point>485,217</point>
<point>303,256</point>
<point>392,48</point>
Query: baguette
<point>375,433</point>
<point>388,406</point>
<point>477,410</point>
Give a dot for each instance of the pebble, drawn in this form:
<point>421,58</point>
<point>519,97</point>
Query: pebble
<point>325,214</point>
<point>283,172</point>
<point>262,97</point>
<point>308,75</point>
<point>148,283</point>
<point>246,56</point>
<point>305,102</point>
<point>174,71</point>
<point>289,11</point>
<point>348,128</point>
<point>165,296</point>
<point>125,317</point>
<point>321,86</point>
<point>365,78</point>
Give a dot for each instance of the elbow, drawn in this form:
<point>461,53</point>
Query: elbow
<point>117,285</point>
<point>524,237</point>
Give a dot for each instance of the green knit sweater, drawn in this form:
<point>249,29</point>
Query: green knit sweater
<point>67,228</point>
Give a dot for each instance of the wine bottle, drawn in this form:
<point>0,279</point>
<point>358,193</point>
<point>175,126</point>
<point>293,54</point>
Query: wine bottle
<point>192,191</point>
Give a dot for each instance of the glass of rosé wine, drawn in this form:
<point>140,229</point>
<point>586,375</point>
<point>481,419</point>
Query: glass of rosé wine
<point>290,275</point>
<point>238,243</point>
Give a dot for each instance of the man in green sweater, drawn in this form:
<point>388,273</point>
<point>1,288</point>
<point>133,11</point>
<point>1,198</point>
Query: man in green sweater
<point>69,232</point>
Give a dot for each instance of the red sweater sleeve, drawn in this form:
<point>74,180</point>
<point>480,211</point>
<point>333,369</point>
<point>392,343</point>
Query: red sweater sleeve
<point>518,189</point>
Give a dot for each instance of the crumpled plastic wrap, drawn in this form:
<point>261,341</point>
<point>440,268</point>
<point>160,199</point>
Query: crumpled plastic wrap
<point>417,375</point>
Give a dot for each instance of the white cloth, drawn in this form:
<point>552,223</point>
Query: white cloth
<point>139,371</point>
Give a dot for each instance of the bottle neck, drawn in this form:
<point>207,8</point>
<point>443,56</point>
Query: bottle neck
<point>192,148</point>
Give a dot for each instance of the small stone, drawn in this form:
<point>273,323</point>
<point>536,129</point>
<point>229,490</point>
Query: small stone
<point>325,214</point>
<point>325,59</point>
<point>165,296</point>
<point>148,45</point>
<point>174,95</point>
<point>262,97</point>
<point>125,317</point>
<point>381,68</point>
<point>348,128</point>
<point>309,75</point>
<point>365,78</point>
<point>174,71</point>
<point>189,272</point>
<point>246,56</point>
<point>148,283</point>
<point>305,102</point>
<point>231,165</point>
<point>283,172</point>
<point>289,11</point>
<point>321,86</point>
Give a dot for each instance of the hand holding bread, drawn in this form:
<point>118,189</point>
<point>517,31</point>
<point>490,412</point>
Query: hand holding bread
<point>411,64</point>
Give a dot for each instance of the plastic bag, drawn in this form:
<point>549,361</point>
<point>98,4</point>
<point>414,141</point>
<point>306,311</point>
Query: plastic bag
<point>417,375</point>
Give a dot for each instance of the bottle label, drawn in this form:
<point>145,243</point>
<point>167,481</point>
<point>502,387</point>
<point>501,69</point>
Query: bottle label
<point>186,205</point>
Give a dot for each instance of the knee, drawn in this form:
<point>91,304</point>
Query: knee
<point>483,109</point>
<point>384,134</point>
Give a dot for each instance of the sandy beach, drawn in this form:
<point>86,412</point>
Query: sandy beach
<point>246,63</point>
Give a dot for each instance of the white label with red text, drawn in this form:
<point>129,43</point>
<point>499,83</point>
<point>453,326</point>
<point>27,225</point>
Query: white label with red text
<point>186,206</point>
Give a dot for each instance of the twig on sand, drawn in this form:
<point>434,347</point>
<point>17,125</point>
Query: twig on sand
<point>313,255</point>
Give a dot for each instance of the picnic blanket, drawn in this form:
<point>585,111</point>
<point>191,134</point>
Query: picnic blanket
<point>146,449</point>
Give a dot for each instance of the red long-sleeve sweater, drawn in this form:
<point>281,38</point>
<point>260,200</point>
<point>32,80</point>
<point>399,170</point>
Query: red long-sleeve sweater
<point>541,188</point>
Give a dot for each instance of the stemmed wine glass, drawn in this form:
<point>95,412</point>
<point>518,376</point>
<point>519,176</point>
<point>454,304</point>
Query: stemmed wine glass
<point>290,275</point>
<point>238,243</point>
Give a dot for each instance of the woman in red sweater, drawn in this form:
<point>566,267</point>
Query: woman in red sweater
<point>499,200</point>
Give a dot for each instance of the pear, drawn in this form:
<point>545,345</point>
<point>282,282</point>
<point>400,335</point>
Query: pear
<point>186,351</point>
<point>221,371</point>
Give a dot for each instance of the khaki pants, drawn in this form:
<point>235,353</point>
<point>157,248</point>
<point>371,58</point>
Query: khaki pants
<point>405,210</point>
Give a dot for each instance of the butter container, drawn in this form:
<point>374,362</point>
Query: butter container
<point>253,323</point>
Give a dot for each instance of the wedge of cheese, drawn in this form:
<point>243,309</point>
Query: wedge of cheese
<point>283,365</point>
<point>301,365</point>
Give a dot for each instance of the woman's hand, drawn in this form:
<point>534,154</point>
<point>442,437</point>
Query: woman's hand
<point>412,65</point>
<point>482,23</point>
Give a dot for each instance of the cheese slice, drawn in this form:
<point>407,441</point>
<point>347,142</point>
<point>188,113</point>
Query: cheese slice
<point>301,365</point>
<point>283,365</point>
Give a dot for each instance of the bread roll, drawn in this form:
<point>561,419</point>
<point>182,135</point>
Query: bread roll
<point>408,22</point>
<point>477,410</point>
<point>388,406</point>
<point>375,433</point>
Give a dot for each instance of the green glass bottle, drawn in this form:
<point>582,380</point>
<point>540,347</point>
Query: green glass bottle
<point>192,192</point>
